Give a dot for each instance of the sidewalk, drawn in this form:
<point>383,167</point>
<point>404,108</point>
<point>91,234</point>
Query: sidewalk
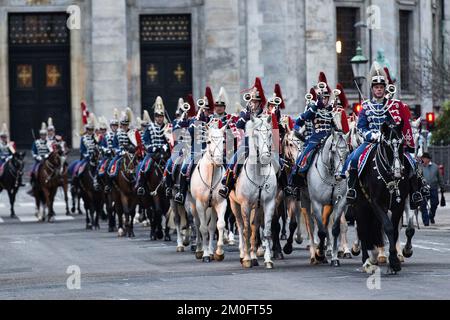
<point>442,217</point>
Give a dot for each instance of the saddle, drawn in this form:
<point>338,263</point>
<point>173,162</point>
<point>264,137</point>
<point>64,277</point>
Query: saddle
<point>363,158</point>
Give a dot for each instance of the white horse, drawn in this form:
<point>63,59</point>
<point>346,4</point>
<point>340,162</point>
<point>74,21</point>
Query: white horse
<point>253,199</point>
<point>326,192</point>
<point>208,207</point>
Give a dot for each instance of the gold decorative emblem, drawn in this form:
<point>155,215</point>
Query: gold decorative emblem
<point>53,75</point>
<point>24,76</point>
<point>179,73</point>
<point>152,72</point>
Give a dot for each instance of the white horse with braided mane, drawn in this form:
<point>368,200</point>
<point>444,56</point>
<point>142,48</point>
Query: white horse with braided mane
<point>207,206</point>
<point>253,199</point>
<point>327,194</point>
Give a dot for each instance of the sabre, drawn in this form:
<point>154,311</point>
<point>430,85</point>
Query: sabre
<point>32,133</point>
<point>359,90</point>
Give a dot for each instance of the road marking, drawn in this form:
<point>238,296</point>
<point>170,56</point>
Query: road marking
<point>415,245</point>
<point>64,218</point>
<point>28,219</point>
<point>2,205</point>
<point>1,220</point>
<point>32,204</point>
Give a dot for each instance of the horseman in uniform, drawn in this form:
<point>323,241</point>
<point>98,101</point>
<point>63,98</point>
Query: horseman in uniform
<point>121,144</point>
<point>107,147</point>
<point>155,143</point>
<point>197,131</point>
<point>181,138</point>
<point>320,113</point>
<point>374,113</point>
<point>5,148</point>
<point>40,151</point>
<point>255,107</point>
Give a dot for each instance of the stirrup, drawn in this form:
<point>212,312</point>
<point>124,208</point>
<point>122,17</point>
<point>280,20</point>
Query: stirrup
<point>140,191</point>
<point>425,191</point>
<point>179,198</point>
<point>224,192</point>
<point>351,195</point>
<point>169,193</point>
<point>289,191</point>
<point>107,189</point>
<point>416,197</point>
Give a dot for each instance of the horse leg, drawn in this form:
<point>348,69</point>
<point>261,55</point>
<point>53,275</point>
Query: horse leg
<point>322,232</point>
<point>346,254</point>
<point>326,215</point>
<point>246,215</point>
<point>132,212</point>
<point>407,250</point>
<point>269,212</point>
<point>66,197</point>
<point>275,232</point>
<point>232,226</point>
<point>12,199</point>
<point>177,220</point>
<point>388,227</point>
<point>236,209</point>
<point>293,224</point>
<point>255,237</point>
<point>88,219</point>
<point>220,209</point>
<point>212,229</point>
<point>203,228</point>
<point>282,209</point>
<point>199,250</point>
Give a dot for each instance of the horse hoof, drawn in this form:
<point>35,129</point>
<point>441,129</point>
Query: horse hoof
<point>401,258</point>
<point>206,259</point>
<point>231,243</point>
<point>340,254</point>
<point>180,249</point>
<point>320,258</point>
<point>287,249</point>
<point>199,255</point>
<point>13,216</point>
<point>247,264</point>
<point>394,263</point>
<point>159,234</point>
<point>219,257</point>
<point>283,237</point>
<point>347,255</point>
<point>299,240</point>
<point>328,253</point>
<point>88,227</point>
<point>193,248</point>
<point>241,260</point>
<point>335,263</point>
<point>120,233</point>
<point>278,256</point>
<point>211,257</point>
<point>72,210</point>
<point>356,253</point>
<point>268,265</point>
<point>407,253</point>
<point>167,238</point>
<point>255,263</point>
<point>313,261</point>
<point>382,260</point>
<point>186,243</point>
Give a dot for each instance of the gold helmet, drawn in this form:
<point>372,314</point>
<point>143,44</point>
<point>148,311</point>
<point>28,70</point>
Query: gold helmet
<point>159,107</point>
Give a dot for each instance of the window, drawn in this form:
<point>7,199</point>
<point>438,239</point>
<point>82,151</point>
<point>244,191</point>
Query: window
<point>405,49</point>
<point>347,35</point>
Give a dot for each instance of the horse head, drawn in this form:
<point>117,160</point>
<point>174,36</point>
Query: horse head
<point>292,145</point>
<point>215,144</point>
<point>260,138</point>
<point>337,148</point>
<point>392,146</point>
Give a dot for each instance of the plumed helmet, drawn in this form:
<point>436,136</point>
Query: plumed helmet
<point>145,118</point>
<point>222,98</point>
<point>342,98</point>
<point>257,92</point>
<point>50,124</point>
<point>43,129</point>
<point>326,90</point>
<point>159,107</point>
<point>4,132</point>
<point>377,75</point>
<point>126,117</point>
<point>209,98</point>
<point>115,119</point>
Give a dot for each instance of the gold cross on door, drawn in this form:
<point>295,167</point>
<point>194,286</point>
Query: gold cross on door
<point>179,73</point>
<point>152,72</point>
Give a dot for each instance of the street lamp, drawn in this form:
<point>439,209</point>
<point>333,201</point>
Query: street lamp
<point>358,65</point>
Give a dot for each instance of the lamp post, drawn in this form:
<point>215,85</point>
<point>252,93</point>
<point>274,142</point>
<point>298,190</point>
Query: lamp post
<point>358,66</point>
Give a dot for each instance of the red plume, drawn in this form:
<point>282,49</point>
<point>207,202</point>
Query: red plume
<point>209,97</point>
<point>323,77</point>
<point>388,74</point>
<point>279,95</point>
<point>314,94</point>
<point>140,145</point>
<point>84,113</point>
<point>260,89</point>
<point>190,99</point>
<point>342,96</point>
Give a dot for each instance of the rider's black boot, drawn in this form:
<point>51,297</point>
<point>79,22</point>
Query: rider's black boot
<point>180,196</point>
<point>108,184</point>
<point>229,184</point>
<point>351,186</point>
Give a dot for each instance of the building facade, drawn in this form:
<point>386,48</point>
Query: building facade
<point>121,53</point>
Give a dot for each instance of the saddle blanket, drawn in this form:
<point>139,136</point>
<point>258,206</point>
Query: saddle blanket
<point>103,167</point>
<point>114,168</point>
<point>363,158</point>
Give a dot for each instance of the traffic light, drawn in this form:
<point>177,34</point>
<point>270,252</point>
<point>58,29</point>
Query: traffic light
<point>431,118</point>
<point>357,107</point>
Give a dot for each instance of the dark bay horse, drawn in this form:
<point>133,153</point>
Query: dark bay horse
<point>384,187</point>
<point>47,182</point>
<point>91,197</point>
<point>125,195</point>
<point>155,202</point>
<point>12,178</point>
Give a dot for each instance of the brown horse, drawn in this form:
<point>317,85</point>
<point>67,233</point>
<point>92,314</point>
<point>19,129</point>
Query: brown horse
<point>12,178</point>
<point>107,199</point>
<point>88,193</point>
<point>125,194</point>
<point>155,202</point>
<point>47,182</point>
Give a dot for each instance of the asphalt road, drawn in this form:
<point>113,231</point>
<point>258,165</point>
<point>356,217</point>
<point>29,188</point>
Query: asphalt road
<point>35,257</point>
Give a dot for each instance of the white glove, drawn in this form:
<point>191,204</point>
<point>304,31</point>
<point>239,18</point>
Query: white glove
<point>375,136</point>
<point>39,158</point>
<point>164,148</point>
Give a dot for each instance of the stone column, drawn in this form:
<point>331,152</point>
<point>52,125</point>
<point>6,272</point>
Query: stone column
<point>426,43</point>
<point>222,48</point>
<point>109,56</point>
<point>4,89</point>
<point>320,41</point>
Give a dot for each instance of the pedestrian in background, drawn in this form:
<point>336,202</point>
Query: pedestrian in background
<point>434,179</point>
